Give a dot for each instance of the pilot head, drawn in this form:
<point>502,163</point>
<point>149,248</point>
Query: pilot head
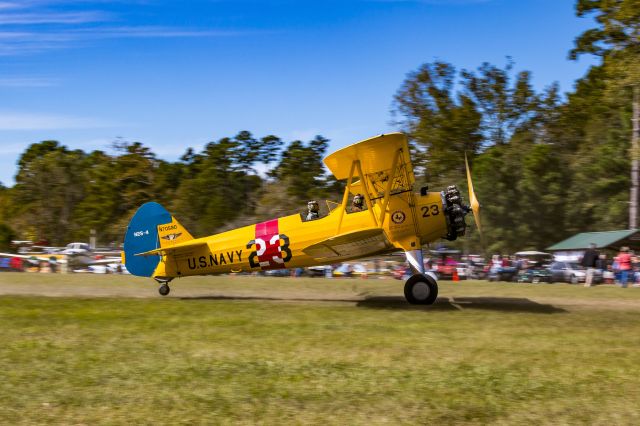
<point>358,200</point>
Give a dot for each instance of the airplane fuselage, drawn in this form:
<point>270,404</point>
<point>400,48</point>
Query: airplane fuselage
<point>410,220</point>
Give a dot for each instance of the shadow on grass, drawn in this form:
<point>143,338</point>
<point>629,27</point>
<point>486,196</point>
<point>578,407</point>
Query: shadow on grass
<point>501,304</point>
<point>268,298</point>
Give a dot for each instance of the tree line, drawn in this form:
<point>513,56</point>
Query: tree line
<point>61,194</point>
<point>546,165</point>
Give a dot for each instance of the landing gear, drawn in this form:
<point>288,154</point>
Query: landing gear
<point>164,289</point>
<point>164,285</point>
<point>421,290</point>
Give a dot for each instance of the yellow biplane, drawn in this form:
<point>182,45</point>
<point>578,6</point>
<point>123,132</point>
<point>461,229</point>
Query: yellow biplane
<point>394,218</point>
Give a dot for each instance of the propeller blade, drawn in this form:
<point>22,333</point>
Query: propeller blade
<point>475,205</point>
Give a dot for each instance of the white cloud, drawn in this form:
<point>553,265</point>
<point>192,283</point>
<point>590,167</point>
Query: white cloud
<point>34,26</point>
<point>147,31</point>
<point>25,42</point>
<point>28,82</point>
<point>31,121</point>
<point>53,18</point>
<point>8,5</point>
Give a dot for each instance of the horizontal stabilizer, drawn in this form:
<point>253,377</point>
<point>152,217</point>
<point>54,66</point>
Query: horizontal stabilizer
<point>106,261</point>
<point>177,249</point>
<point>352,244</point>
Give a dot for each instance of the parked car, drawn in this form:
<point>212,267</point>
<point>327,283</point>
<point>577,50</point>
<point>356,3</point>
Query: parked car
<point>535,275</point>
<point>534,266</point>
<point>502,273</point>
<point>572,273</point>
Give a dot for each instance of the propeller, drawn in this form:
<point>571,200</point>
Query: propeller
<point>473,200</point>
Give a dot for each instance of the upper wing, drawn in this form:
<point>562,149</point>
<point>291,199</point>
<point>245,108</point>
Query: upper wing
<point>352,244</point>
<point>376,157</point>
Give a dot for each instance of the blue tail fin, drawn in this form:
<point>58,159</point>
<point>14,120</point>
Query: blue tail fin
<point>141,236</point>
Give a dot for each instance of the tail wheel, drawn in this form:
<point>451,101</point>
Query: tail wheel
<point>164,290</point>
<point>421,290</point>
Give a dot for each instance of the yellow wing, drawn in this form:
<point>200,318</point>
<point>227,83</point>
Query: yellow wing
<point>382,158</point>
<point>351,244</point>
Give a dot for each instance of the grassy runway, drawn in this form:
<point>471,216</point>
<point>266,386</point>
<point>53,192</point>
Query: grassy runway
<point>108,350</point>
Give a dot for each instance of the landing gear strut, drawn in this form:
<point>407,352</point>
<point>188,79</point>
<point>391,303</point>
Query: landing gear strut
<point>421,290</point>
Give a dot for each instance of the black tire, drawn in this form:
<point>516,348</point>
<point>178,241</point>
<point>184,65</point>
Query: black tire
<point>164,290</point>
<point>421,290</point>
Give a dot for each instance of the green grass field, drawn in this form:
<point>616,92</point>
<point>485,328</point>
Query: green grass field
<point>108,350</point>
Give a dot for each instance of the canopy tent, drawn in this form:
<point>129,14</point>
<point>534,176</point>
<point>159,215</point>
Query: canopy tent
<point>603,240</point>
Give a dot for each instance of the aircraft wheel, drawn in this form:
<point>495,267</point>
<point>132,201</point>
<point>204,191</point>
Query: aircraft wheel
<point>164,290</point>
<point>421,290</point>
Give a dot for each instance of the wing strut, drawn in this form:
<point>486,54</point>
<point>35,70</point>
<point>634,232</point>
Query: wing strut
<point>387,191</point>
<point>356,167</point>
<point>367,198</point>
<point>345,197</point>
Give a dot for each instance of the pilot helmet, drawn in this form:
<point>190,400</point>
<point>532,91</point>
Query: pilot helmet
<point>358,199</point>
<point>313,206</point>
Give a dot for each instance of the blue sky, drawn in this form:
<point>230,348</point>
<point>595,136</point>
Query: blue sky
<point>179,74</point>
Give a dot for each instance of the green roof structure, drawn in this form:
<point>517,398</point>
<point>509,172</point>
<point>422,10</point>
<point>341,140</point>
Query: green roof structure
<point>606,239</point>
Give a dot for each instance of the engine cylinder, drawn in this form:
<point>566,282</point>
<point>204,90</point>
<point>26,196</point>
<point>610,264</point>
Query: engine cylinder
<point>455,213</point>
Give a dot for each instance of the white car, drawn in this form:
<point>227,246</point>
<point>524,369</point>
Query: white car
<point>571,273</point>
<point>77,248</point>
